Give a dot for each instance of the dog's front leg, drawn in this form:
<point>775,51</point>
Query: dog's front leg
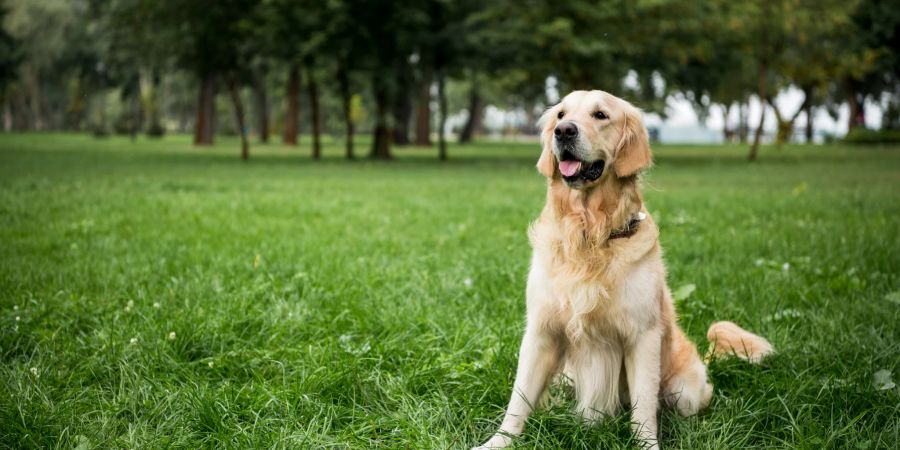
<point>539,359</point>
<point>642,366</point>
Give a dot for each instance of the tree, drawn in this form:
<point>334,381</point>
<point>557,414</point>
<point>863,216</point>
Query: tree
<point>259,71</point>
<point>211,39</point>
<point>476,112</point>
<point>9,53</point>
<point>402,108</point>
<point>295,33</point>
<point>53,42</point>
<point>292,118</point>
<point>423,107</point>
<point>312,88</point>
<point>448,49</point>
<point>344,35</point>
<point>765,29</point>
<point>136,54</point>
<point>214,36</point>
<point>872,61</point>
<point>10,58</point>
<point>389,36</point>
<point>812,57</point>
<point>698,50</point>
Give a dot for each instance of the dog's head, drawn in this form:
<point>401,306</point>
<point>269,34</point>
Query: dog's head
<point>587,134</point>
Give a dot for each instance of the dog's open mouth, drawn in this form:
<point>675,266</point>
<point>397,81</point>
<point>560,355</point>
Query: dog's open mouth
<point>573,169</point>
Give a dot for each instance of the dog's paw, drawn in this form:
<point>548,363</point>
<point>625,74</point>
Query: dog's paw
<point>497,441</point>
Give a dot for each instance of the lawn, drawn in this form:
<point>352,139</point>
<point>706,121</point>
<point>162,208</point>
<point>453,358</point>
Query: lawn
<point>157,295</point>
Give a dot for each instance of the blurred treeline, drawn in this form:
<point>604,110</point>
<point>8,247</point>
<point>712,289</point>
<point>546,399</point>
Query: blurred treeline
<point>397,68</point>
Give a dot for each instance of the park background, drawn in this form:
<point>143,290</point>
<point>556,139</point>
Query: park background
<point>295,224</point>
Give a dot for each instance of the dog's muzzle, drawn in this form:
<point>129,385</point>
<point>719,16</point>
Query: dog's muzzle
<point>575,170</point>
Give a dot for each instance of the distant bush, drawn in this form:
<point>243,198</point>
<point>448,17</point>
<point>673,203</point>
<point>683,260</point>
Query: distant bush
<point>156,130</point>
<point>865,136</point>
<point>123,125</point>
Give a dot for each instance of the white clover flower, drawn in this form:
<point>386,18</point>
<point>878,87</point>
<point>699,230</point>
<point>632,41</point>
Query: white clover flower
<point>346,341</point>
<point>34,371</point>
<point>467,282</point>
<point>171,335</point>
<point>133,340</point>
<point>785,267</point>
<point>18,318</point>
<point>157,305</point>
<point>882,380</point>
<point>210,364</point>
<point>129,305</point>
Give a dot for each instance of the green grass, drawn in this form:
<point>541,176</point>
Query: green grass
<point>362,304</point>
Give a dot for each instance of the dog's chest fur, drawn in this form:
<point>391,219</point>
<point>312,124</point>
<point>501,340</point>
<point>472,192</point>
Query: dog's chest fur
<point>614,303</point>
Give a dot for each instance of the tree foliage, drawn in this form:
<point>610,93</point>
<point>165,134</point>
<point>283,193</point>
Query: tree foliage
<point>384,57</point>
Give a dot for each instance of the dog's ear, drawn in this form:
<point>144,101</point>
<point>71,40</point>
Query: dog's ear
<point>633,152</point>
<point>546,164</point>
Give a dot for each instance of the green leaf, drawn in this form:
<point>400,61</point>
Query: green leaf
<point>893,297</point>
<point>683,292</point>
<point>882,380</point>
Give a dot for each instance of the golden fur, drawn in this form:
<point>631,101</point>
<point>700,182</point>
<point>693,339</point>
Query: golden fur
<point>600,309</point>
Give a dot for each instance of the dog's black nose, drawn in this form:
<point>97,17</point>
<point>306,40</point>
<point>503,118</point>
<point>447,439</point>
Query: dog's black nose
<point>565,130</point>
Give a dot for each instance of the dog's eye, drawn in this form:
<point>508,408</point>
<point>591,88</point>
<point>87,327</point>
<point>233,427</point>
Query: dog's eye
<point>561,114</point>
<point>600,115</point>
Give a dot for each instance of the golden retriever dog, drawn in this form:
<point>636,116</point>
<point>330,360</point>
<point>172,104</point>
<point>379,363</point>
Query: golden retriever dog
<point>598,306</point>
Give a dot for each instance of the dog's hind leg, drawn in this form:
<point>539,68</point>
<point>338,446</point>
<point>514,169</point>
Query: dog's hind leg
<point>685,385</point>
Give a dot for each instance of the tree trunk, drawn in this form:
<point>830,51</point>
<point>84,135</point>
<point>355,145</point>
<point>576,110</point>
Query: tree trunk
<point>7,117</point>
<point>154,121</point>
<point>381,142</point>
<point>262,107</point>
<point>857,111</point>
<point>402,114</point>
<point>423,111</point>
<point>102,128</point>
<point>754,149</point>
<point>239,117</point>
<point>476,114</point>
<point>34,96</point>
<point>530,127</point>
<point>210,106</point>
<point>346,106</point>
<point>727,133</point>
<point>203,126</point>
<point>293,107</point>
<point>761,92</point>
<point>313,90</point>
<point>184,117</point>
<point>786,125</point>
<point>21,117</point>
<point>861,114</point>
<point>135,108</point>
<point>782,126</point>
<point>743,126</point>
<point>442,122</point>
<point>810,116</point>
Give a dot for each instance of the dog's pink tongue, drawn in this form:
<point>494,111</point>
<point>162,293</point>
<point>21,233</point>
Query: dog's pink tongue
<point>569,168</point>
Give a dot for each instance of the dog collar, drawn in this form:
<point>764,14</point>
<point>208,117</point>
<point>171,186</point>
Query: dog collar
<point>630,228</point>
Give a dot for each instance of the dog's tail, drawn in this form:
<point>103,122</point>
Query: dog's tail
<point>726,338</point>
